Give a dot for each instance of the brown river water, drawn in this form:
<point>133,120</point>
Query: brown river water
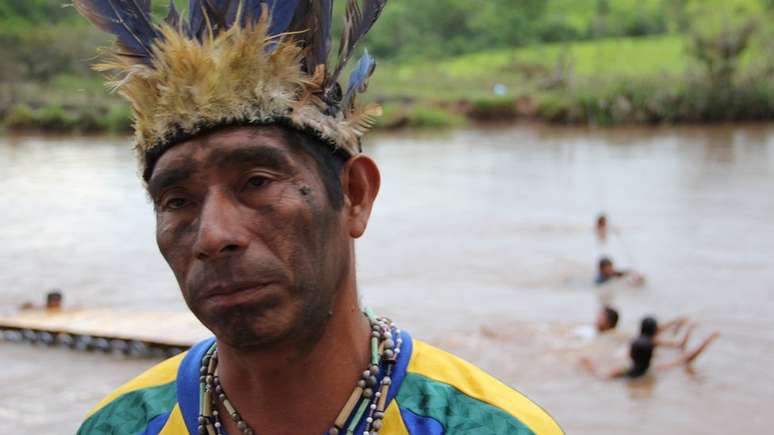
<point>481,242</point>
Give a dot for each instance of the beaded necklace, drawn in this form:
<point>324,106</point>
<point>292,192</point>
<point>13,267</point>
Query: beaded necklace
<point>369,398</point>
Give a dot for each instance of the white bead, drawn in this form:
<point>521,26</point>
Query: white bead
<point>378,394</point>
<point>373,406</point>
<point>369,420</point>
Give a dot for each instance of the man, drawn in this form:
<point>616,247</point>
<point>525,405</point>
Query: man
<point>251,154</point>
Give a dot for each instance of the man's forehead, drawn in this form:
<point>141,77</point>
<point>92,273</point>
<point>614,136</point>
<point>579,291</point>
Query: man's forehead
<point>225,150</point>
<point>224,147</point>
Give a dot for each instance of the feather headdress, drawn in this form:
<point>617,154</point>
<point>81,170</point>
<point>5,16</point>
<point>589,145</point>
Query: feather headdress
<point>236,62</point>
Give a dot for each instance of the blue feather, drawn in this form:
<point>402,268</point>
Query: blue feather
<point>251,12</point>
<point>218,14</point>
<point>173,17</point>
<point>222,14</point>
<point>282,13</point>
<point>196,21</point>
<point>358,79</point>
<point>128,20</point>
<point>358,22</point>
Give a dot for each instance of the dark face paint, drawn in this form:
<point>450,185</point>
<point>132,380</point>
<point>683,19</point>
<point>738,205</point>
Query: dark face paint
<point>246,226</point>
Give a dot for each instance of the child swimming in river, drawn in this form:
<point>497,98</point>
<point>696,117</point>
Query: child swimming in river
<point>601,227</point>
<point>641,351</point>
<point>606,272</point>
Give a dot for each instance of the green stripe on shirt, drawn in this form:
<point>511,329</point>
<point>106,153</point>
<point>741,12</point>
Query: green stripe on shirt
<point>131,412</point>
<point>456,412</point>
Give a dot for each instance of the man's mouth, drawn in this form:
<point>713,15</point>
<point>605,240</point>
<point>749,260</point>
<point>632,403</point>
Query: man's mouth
<point>235,293</point>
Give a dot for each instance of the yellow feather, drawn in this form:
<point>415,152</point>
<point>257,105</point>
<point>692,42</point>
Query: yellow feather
<point>231,76</point>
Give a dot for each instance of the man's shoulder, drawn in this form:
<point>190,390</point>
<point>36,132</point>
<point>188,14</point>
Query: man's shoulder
<point>444,390</point>
<point>132,407</point>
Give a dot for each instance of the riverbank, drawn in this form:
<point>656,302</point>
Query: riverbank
<point>635,80</point>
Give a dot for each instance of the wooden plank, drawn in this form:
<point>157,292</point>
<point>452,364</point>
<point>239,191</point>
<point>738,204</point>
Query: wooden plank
<point>180,329</point>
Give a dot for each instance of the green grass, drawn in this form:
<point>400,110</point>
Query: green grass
<point>472,76</point>
<point>419,116</point>
<point>619,56</point>
<point>610,81</point>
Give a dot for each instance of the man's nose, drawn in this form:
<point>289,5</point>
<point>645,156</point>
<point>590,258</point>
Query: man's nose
<point>221,230</point>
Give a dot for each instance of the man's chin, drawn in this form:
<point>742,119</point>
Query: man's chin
<point>250,335</point>
<point>263,324</point>
<point>247,327</point>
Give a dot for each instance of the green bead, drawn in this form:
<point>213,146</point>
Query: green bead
<point>358,415</point>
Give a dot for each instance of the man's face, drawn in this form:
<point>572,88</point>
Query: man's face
<point>243,219</point>
<point>607,270</point>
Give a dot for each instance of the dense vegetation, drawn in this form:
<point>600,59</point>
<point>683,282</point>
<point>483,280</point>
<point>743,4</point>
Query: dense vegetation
<point>569,61</point>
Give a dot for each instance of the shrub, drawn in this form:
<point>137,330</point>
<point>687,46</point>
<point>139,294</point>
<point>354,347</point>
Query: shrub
<point>118,119</point>
<point>57,119</point>
<point>492,109</point>
<point>20,117</point>
<point>433,117</point>
<point>52,118</point>
<point>695,98</point>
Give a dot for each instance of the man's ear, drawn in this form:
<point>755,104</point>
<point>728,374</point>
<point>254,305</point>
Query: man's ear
<point>360,180</point>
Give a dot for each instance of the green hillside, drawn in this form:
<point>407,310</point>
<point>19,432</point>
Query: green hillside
<point>602,61</point>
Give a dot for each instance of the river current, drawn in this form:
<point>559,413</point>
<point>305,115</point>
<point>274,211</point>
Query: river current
<point>481,242</point>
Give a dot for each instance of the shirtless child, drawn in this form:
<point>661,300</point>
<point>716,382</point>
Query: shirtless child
<point>641,351</point>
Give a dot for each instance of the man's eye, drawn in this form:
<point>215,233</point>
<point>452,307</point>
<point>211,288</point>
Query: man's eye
<point>257,181</point>
<point>175,203</point>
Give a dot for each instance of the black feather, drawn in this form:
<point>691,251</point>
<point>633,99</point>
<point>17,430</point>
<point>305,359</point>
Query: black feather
<point>312,24</point>
<point>216,11</point>
<point>128,20</point>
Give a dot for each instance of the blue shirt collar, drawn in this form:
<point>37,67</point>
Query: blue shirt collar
<point>188,380</point>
